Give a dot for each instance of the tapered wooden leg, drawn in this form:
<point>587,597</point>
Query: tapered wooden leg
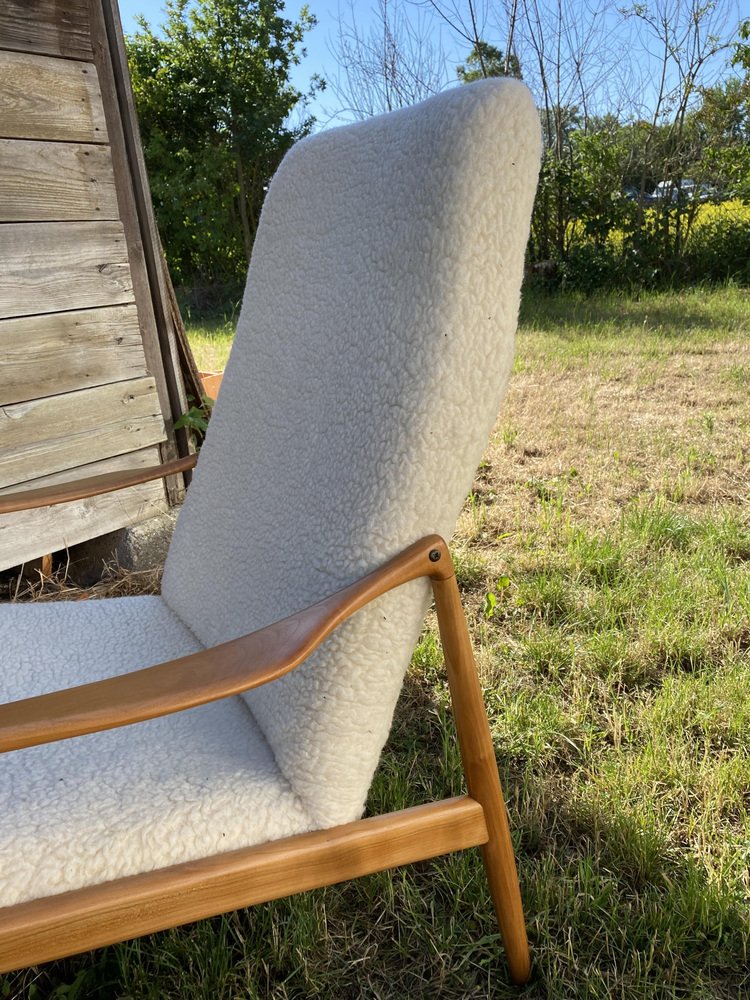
<point>482,778</point>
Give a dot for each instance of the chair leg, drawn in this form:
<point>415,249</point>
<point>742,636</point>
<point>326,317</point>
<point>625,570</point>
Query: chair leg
<point>482,779</point>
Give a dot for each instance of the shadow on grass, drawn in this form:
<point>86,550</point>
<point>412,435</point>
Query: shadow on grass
<point>617,909</point>
<point>614,909</point>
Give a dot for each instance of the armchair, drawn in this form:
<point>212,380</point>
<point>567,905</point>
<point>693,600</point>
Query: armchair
<point>168,758</point>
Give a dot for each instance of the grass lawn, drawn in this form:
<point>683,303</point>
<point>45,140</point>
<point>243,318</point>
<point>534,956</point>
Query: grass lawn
<point>604,556</point>
<point>210,341</point>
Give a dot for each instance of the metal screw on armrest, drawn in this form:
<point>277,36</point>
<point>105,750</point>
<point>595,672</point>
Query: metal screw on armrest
<point>435,555</point>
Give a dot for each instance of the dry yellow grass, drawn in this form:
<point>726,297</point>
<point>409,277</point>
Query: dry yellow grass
<point>616,415</point>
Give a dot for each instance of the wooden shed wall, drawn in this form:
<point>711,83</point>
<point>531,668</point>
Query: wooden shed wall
<point>84,387</point>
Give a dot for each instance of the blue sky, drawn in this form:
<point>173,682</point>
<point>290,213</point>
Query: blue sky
<point>318,54</point>
<point>620,68</point>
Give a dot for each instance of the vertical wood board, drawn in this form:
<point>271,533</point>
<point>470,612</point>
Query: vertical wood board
<point>63,432</point>
<point>51,266</point>
<point>56,181</point>
<point>143,241</point>
<point>46,98</point>
<point>61,352</point>
<point>47,27</point>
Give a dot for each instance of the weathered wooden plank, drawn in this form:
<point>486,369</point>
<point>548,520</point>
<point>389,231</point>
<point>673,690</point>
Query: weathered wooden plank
<point>50,266</point>
<point>47,27</point>
<point>117,463</point>
<point>158,275</point>
<point>29,534</point>
<point>56,181</point>
<point>92,486</point>
<point>107,43</point>
<point>61,352</point>
<point>61,432</point>
<point>46,98</point>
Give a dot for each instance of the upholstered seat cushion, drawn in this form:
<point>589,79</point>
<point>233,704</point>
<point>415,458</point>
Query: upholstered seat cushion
<point>128,800</point>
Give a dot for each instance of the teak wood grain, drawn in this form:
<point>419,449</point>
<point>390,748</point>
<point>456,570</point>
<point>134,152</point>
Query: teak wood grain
<point>135,460</point>
<point>90,486</point>
<point>46,27</point>
<point>223,670</point>
<point>482,779</point>
<point>48,267</point>
<point>62,925</point>
<point>46,98</point>
<point>53,529</point>
<point>56,181</point>
<point>61,352</point>
<point>47,435</point>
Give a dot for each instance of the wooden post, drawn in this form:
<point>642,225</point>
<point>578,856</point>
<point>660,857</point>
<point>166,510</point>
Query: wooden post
<point>483,782</point>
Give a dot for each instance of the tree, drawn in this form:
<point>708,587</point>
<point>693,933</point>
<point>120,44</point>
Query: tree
<point>741,55</point>
<point>487,60</point>
<point>390,64</point>
<point>731,106</point>
<point>214,102</point>
<point>717,138</point>
<point>683,40</point>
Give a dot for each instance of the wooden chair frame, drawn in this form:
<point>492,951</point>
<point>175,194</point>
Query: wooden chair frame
<point>54,927</point>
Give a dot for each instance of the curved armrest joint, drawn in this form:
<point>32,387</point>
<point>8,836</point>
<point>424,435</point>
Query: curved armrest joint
<point>210,674</point>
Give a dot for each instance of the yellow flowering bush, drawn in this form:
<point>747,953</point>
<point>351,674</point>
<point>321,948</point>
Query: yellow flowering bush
<point>718,246</point>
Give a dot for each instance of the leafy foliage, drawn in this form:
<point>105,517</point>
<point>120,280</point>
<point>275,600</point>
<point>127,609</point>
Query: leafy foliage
<point>601,219</point>
<point>215,103</point>
<point>196,418</point>
<point>487,60</point>
<point>620,195</point>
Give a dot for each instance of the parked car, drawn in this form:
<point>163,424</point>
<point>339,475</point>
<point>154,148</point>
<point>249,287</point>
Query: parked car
<point>685,190</point>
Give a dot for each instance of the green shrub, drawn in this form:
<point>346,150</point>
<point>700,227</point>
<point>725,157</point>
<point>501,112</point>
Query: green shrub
<point>590,266</point>
<point>715,249</point>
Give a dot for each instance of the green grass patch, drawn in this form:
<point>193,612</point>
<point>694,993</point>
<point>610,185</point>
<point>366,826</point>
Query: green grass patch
<point>600,332</point>
<point>210,341</point>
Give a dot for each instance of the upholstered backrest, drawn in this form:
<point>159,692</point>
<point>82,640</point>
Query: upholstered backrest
<point>371,356</point>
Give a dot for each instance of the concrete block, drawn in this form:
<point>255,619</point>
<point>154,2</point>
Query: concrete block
<point>141,546</point>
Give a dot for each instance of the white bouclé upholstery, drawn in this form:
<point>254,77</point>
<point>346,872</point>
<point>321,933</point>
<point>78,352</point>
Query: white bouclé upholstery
<point>372,352</point>
<point>133,799</point>
<point>371,356</point>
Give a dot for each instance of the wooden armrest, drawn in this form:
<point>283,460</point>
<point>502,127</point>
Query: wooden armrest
<point>92,486</point>
<point>214,673</point>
